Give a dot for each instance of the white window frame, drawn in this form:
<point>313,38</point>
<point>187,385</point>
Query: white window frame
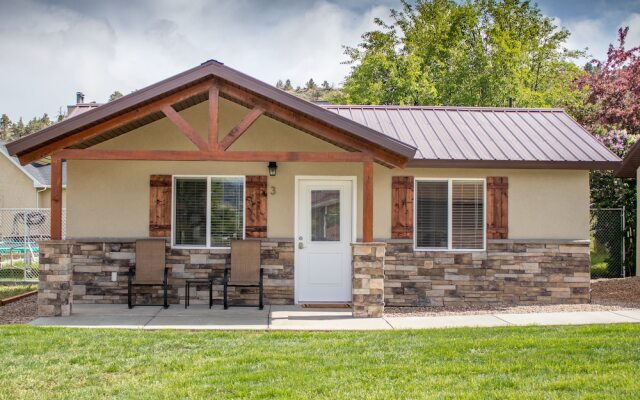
<point>207,245</point>
<point>449,215</point>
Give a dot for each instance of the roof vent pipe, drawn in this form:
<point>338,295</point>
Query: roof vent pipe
<point>510,102</point>
<point>79,98</point>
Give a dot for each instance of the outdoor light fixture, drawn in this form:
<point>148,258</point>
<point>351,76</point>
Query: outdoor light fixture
<point>273,167</point>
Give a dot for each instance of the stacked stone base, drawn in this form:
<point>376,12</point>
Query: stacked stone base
<point>54,289</point>
<point>368,280</point>
<point>391,274</point>
<point>95,262</point>
<point>510,272</point>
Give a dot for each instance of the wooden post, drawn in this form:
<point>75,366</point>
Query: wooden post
<point>56,198</point>
<point>367,202</point>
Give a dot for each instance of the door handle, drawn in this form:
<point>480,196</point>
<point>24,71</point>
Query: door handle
<point>300,245</point>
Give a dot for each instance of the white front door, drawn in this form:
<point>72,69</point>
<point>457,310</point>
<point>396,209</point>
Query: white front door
<point>323,241</point>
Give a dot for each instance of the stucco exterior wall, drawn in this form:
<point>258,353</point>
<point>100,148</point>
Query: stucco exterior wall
<point>16,189</point>
<point>108,199</point>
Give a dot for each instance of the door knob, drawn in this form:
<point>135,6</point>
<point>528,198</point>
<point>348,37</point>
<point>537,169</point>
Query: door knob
<point>300,245</point>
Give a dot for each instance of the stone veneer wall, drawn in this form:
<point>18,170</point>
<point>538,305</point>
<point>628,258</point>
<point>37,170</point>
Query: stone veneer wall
<point>95,261</point>
<point>54,289</point>
<point>509,272</point>
<point>368,279</point>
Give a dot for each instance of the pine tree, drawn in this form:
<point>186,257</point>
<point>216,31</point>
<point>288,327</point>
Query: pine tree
<point>326,86</point>
<point>279,84</point>
<point>310,85</point>
<point>115,95</point>
<point>287,85</point>
<point>5,127</point>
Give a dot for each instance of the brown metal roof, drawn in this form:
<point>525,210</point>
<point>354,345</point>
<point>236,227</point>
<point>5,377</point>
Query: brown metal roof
<point>208,70</point>
<point>630,163</point>
<point>486,137</point>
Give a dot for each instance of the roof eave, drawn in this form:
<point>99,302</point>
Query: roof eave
<point>515,164</point>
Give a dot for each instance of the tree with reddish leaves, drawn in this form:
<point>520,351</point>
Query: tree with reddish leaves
<point>614,89</point>
<point>612,112</point>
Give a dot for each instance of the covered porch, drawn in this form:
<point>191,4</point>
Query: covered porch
<point>84,269</point>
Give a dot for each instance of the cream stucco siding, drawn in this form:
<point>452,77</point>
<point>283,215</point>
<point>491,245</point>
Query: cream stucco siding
<point>16,188</point>
<point>111,198</point>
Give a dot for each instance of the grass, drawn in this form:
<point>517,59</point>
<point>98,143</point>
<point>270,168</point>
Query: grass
<point>13,290</point>
<point>513,362</point>
<point>599,264</point>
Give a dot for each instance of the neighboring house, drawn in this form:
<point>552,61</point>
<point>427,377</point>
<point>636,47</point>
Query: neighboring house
<point>630,168</point>
<point>24,186</point>
<point>369,205</point>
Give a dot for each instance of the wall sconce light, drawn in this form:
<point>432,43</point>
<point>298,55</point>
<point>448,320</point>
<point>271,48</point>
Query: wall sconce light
<point>273,167</point>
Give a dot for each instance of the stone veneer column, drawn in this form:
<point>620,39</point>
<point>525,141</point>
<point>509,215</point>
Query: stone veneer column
<point>56,271</point>
<point>368,279</point>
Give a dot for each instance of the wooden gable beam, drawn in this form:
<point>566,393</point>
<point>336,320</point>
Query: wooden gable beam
<point>195,155</point>
<point>214,104</point>
<point>115,122</point>
<point>311,125</point>
<point>241,128</point>
<point>185,128</point>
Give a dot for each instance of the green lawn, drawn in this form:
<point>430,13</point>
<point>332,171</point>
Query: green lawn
<point>12,290</point>
<point>533,362</point>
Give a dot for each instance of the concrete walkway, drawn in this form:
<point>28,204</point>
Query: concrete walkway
<point>298,318</point>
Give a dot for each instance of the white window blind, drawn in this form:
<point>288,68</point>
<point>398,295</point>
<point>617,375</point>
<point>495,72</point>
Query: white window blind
<point>227,210</point>
<point>450,214</point>
<point>432,214</point>
<point>208,211</point>
<point>190,224</point>
<point>467,214</point>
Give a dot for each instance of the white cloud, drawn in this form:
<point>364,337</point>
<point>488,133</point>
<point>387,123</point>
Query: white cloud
<point>51,51</point>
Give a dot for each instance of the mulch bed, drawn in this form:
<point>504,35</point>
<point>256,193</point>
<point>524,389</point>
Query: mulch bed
<point>620,292</point>
<point>19,312</point>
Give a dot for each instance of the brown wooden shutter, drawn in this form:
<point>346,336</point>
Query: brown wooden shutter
<point>256,207</point>
<point>160,206</point>
<point>497,207</point>
<point>402,207</point>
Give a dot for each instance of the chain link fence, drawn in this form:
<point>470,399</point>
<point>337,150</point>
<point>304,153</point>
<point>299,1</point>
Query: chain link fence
<point>607,243</point>
<point>20,231</point>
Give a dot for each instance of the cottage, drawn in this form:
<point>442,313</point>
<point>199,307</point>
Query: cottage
<point>368,205</point>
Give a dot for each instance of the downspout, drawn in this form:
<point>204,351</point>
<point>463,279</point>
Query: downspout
<point>38,196</point>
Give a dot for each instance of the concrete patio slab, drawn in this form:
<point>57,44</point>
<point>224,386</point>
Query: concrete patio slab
<point>216,321</point>
<point>114,309</point>
<point>447,321</point>
<point>96,321</point>
<point>203,309</point>
<point>565,318</point>
<point>321,319</point>
<point>200,317</point>
<point>635,314</point>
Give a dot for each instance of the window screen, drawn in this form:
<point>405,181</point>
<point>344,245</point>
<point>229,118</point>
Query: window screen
<point>225,218</point>
<point>190,227</point>
<point>227,210</point>
<point>432,221</point>
<point>465,223</point>
<point>467,214</point>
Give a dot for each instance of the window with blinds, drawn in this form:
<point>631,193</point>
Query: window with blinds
<point>190,220</point>
<point>208,211</point>
<point>450,214</point>
<point>227,210</point>
<point>467,214</point>
<point>432,210</point>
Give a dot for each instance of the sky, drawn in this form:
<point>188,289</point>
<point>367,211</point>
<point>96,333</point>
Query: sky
<point>52,49</point>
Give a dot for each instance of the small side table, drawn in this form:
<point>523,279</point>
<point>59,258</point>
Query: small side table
<point>190,282</point>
